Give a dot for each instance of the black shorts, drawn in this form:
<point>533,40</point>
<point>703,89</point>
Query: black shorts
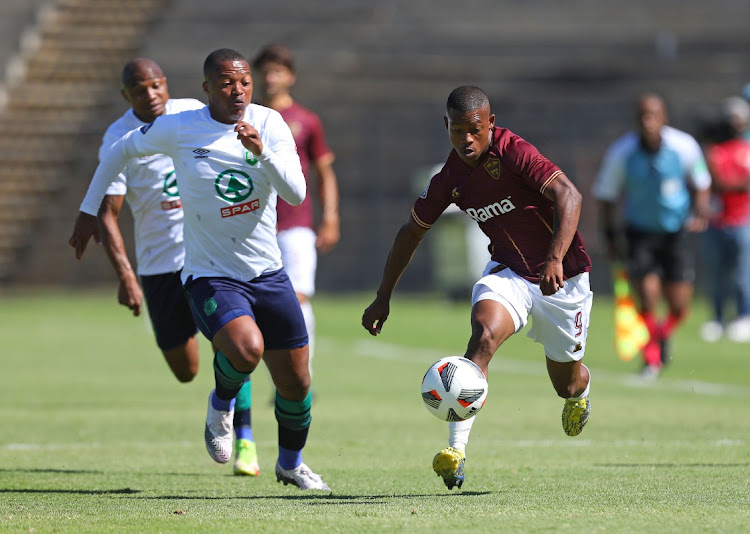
<point>169,310</point>
<point>669,255</point>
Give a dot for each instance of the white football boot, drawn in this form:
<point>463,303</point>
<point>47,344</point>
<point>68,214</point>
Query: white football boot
<point>301,476</point>
<point>219,433</point>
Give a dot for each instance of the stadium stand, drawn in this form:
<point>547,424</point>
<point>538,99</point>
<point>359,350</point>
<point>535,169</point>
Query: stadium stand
<point>563,75</point>
<point>58,87</point>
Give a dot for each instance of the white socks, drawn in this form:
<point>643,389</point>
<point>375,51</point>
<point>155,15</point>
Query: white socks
<point>459,434</point>
<point>585,391</point>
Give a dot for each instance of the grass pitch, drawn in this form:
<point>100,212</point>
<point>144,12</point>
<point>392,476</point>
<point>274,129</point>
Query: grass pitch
<point>97,436</point>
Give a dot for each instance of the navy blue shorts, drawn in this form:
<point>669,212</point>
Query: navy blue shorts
<point>269,299</point>
<point>169,310</point>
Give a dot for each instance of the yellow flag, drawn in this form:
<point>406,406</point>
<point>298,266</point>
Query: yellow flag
<point>631,332</point>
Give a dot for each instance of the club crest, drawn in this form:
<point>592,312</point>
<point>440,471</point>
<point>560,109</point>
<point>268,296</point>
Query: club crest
<point>492,166</point>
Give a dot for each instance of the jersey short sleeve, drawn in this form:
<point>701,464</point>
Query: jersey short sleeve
<point>611,177</point>
<point>524,160</point>
<point>433,201</point>
<point>696,168</point>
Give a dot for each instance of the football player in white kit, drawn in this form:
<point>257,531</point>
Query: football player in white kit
<point>149,186</point>
<point>240,296</point>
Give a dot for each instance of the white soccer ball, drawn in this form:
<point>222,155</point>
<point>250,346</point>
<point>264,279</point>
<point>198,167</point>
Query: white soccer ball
<point>454,389</point>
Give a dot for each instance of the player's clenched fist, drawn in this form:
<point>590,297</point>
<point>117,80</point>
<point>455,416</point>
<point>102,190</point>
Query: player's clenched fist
<point>375,315</point>
<point>249,137</point>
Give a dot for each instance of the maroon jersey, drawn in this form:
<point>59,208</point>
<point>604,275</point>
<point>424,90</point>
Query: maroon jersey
<point>504,195</point>
<point>311,146</point>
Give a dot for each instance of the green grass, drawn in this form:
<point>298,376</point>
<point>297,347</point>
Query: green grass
<point>97,436</point>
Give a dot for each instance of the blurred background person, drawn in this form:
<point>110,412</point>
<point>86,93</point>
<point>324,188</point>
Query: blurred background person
<point>662,175</point>
<point>727,240</point>
<point>299,239</point>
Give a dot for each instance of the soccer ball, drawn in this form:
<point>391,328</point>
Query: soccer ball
<point>454,389</point>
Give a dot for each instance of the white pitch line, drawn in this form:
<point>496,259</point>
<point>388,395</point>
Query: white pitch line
<point>371,348</point>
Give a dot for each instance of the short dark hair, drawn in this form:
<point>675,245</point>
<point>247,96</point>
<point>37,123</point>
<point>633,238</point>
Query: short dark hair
<point>467,98</point>
<point>274,53</point>
<point>137,68</point>
<point>219,56</point>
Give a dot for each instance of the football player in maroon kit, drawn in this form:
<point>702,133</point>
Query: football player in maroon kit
<point>299,239</point>
<point>539,268</point>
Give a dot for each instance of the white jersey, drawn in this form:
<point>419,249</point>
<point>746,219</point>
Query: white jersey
<point>228,195</point>
<point>150,189</point>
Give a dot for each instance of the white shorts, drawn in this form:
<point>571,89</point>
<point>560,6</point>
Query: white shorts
<point>560,322</point>
<point>300,258</point>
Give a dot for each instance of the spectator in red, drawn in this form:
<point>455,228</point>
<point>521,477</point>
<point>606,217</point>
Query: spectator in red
<point>728,235</point>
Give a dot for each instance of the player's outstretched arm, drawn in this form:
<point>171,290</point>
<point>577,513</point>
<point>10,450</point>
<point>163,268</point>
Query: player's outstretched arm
<point>568,202</point>
<point>328,232</point>
<point>85,227</point>
<point>129,292</point>
<point>404,245</point>
<point>610,230</point>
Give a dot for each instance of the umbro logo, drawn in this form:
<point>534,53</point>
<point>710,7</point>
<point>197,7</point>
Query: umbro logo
<point>201,153</point>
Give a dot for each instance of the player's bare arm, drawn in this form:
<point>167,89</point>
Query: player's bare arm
<point>129,293</point>
<point>249,137</point>
<point>568,202</point>
<point>328,232</point>
<point>701,210</point>
<point>85,227</point>
<point>608,221</point>
<point>404,245</point>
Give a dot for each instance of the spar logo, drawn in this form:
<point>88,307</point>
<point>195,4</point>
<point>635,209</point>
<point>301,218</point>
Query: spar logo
<point>235,186</point>
<point>170,185</point>
<point>239,209</point>
<point>491,210</point>
<point>170,190</point>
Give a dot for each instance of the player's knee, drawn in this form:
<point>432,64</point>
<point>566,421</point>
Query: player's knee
<point>301,386</point>
<point>248,353</point>
<point>294,386</point>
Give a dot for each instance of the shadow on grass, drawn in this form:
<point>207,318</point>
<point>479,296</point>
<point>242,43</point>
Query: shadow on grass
<point>331,498</point>
<point>50,470</point>
<point>672,465</point>
<point>72,491</point>
<point>98,472</point>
